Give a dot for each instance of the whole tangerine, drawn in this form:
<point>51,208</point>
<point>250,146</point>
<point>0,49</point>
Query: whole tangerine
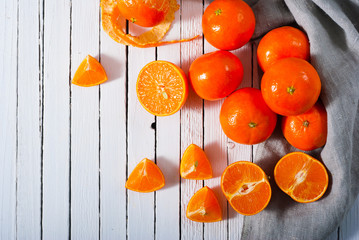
<point>144,13</point>
<point>245,117</point>
<point>228,24</point>
<point>307,131</point>
<point>291,86</point>
<point>215,75</point>
<point>282,42</point>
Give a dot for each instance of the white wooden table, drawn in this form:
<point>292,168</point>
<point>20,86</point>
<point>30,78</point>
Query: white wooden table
<point>66,151</point>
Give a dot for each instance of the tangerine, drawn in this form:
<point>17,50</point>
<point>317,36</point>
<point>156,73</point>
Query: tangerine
<point>246,187</point>
<point>245,117</point>
<point>162,88</point>
<point>145,177</point>
<point>195,164</point>
<point>301,176</point>
<point>228,24</point>
<point>89,73</point>
<point>145,13</point>
<point>282,42</point>
<point>204,206</point>
<point>291,86</point>
<point>306,131</point>
<point>215,75</point>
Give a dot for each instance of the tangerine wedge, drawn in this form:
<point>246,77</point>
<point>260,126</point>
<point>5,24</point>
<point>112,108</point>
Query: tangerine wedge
<point>204,206</point>
<point>146,177</point>
<point>89,73</point>
<point>195,164</point>
<point>301,176</point>
<point>246,187</point>
<point>162,88</point>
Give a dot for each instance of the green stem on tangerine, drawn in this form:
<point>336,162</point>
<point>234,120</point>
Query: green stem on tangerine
<point>306,123</point>
<point>218,12</point>
<point>252,124</point>
<point>290,90</point>
<point>133,20</point>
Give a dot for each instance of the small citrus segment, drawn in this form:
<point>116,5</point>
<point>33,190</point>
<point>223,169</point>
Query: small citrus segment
<point>114,25</point>
<point>89,73</point>
<point>162,88</point>
<point>282,42</point>
<point>301,176</point>
<point>145,177</point>
<point>204,206</point>
<point>291,86</point>
<point>195,164</point>
<point>307,131</point>
<point>246,187</point>
<point>245,117</point>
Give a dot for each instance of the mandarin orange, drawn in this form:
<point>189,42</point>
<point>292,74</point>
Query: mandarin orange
<point>89,73</point>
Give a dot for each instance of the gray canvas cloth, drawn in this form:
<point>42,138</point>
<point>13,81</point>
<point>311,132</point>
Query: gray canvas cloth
<point>332,27</point>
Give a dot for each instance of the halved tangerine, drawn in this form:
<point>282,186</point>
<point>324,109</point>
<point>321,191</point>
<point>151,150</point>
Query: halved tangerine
<point>89,73</point>
<point>301,176</point>
<point>162,88</point>
<point>204,206</point>
<point>195,164</point>
<point>246,187</point>
<point>146,177</point>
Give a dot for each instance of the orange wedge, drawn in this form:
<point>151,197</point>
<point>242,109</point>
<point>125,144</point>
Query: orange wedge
<point>195,164</point>
<point>162,88</point>
<point>204,207</point>
<point>89,73</point>
<point>301,176</point>
<point>246,187</point>
<point>112,20</point>
<point>146,177</point>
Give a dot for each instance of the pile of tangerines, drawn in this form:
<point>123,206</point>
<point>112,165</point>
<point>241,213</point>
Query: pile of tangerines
<point>290,87</point>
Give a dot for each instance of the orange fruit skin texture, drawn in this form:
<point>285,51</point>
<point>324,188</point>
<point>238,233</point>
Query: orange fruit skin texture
<point>291,86</point>
<point>308,130</point>
<point>162,88</point>
<point>89,73</point>
<point>204,206</point>
<point>145,13</point>
<point>195,164</point>
<point>145,177</point>
<point>302,177</point>
<point>215,75</point>
<point>228,24</point>
<point>282,42</point>
<point>246,187</point>
<point>245,117</point>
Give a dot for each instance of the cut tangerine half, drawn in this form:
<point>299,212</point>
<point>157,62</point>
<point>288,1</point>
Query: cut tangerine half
<point>301,176</point>
<point>162,88</point>
<point>246,187</point>
<point>195,164</point>
<point>204,206</point>
<point>89,73</point>
<point>146,177</point>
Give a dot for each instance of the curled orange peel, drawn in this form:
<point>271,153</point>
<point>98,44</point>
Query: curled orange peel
<point>113,25</point>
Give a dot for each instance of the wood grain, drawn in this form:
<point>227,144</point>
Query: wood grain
<point>8,119</point>
<point>56,124</point>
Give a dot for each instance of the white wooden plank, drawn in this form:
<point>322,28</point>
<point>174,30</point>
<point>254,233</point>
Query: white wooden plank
<point>84,126</point>
<point>56,120</point>
<point>215,147</point>
<point>29,129</point>
<point>141,144</point>
<point>168,151</point>
<point>192,111</point>
<point>113,140</point>
<point>8,99</point>
<point>240,152</point>
<point>349,227</point>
